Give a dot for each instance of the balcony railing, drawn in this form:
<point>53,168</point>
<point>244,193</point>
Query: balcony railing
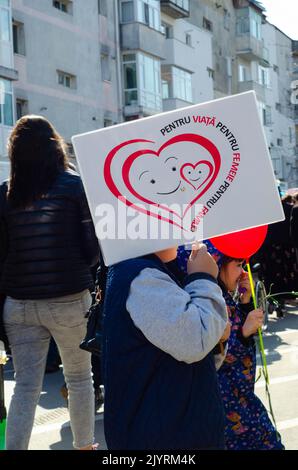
<point>175,8</point>
<point>251,48</point>
<point>252,85</point>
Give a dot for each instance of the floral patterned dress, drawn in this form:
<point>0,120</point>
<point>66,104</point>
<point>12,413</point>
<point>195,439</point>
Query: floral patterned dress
<point>247,422</point>
<point>248,426</point>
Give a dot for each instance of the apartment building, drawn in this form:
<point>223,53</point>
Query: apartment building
<point>251,54</point>
<point>66,58</point>
<point>277,108</point>
<point>166,61</point>
<point>85,65</point>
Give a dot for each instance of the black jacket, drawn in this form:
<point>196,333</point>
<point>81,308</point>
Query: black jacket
<point>51,245</point>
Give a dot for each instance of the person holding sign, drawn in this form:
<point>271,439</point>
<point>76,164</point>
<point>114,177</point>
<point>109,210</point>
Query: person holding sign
<point>247,424</point>
<point>161,388</point>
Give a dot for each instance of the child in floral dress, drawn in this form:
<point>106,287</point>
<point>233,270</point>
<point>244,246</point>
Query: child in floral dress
<point>247,425</point>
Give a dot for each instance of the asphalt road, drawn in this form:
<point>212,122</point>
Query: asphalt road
<point>52,430</point>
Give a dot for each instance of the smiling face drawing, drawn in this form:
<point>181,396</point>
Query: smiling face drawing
<point>159,177</point>
<point>196,175</point>
<point>163,181</point>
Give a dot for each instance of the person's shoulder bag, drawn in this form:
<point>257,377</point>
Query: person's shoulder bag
<point>93,339</point>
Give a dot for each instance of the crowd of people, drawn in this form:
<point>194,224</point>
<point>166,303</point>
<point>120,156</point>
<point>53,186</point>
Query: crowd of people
<point>178,360</point>
<point>278,255</point>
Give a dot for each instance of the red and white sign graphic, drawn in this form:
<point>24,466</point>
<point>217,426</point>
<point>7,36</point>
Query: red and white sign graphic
<point>204,170</point>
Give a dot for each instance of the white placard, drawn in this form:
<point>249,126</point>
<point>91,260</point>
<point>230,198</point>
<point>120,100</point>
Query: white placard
<point>198,172</point>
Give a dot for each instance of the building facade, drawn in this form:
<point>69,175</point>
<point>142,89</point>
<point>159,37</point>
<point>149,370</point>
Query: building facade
<point>86,65</point>
<point>8,75</point>
<point>251,54</point>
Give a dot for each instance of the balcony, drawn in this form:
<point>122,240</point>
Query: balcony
<point>8,73</point>
<point>175,8</point>
<point>138,36</point>
<point>174,103</point>
<point>252,85</point>
<point>139,102</point>
<point>179,54</point>
<point>251,48</point>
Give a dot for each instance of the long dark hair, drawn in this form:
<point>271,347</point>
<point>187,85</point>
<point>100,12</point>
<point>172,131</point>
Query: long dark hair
<point>37,154</point>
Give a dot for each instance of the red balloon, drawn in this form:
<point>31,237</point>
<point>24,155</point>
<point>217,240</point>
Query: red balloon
<point>241,244</point>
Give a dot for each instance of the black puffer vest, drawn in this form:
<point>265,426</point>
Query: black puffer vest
<point>51,245</point>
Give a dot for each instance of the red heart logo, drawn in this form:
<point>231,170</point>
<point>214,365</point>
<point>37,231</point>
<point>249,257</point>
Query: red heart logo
<point>196,180</point>
<point>194,138</point>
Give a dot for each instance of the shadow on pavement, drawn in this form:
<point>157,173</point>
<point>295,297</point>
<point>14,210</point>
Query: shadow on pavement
<point>66,438</point>
<point>273,335</point>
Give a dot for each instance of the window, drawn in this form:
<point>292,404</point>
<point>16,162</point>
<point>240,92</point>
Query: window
<point>165,89</point>
<point>255,24</point>
<point>242,25</point>
<point>210,73</point>
<point>264,77</point>
<point>130,79</point>
<point>227,18</point>
<point>67,80</point>
<point>143,11</point>
<point>21,108</point>
<point>107,122</point>
<point>278,107</point>
<point>267,116</point>
<point>184,4</point>
<point>290,135</point>
<point>142,82</point>
<point>63,5</point>
<point>176,83</point>
<point>6,46</point>
<point>279,142</point>
<point>6,107</point>
<point>102,7</point>
<point>150,82</point>
<point>249,22</point>
<point>148,12</point>
<point>18,38</point>
<point>182,87</point>
<point>168,30</point>
<point>5,22</point>
<point>127,13</point>
<point>188,39</point>
<point>105,67</point>
<point>207,24</point>
<point>243,73</point>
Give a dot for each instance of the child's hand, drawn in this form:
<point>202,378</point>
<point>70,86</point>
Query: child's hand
<point>226,333</point>
<point>200,261</point>
<point>253,322</point>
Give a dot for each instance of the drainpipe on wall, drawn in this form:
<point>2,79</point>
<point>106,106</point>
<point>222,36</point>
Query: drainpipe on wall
<point>119,61</point>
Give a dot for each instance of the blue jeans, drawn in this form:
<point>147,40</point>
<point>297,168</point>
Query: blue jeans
<point>29,326</point>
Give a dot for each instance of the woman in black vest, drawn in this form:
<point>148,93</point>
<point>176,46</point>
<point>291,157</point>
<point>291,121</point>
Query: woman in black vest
<point>51,245</point>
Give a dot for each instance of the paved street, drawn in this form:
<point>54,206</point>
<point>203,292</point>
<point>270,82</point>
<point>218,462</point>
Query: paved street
<point>52,431</point>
